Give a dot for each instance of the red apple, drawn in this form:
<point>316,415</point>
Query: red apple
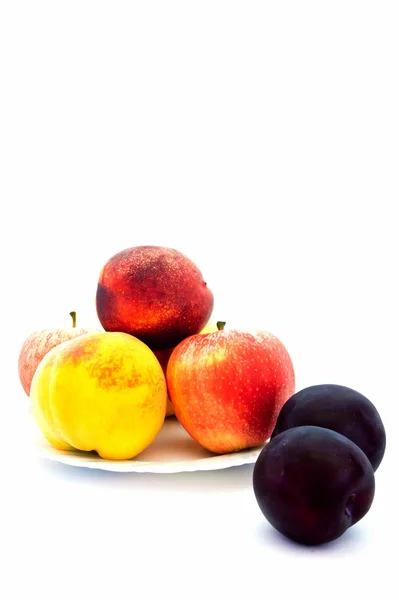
<point>228,387</point>
<point>39,343</point>
<point>156,294</point>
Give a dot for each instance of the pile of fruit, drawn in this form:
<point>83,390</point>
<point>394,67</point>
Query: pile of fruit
<point>159,355</point>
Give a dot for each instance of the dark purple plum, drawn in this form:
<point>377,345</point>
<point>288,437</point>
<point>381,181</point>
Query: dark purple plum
<point>312,484</point>
<point>338,408</point>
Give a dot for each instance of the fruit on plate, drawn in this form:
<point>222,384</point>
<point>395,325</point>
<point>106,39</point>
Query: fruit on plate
<point>156,294</point>
<point>39,343</point>
<point>338,408</point>
<point>164,355</point>
<point>227,387</point>
<point>312,484</point>
<point>104,392</point>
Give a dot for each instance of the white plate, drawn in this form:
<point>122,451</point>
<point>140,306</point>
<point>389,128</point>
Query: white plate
<point>172,451</point>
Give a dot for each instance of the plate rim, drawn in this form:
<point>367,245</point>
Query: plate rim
<point>82,459</point>
<point>163,467</point>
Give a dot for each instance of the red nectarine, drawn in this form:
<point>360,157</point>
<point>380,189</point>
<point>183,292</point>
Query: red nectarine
<point>156,294</point>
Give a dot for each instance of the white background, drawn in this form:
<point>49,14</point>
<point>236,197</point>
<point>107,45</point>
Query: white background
<point>260,139</point>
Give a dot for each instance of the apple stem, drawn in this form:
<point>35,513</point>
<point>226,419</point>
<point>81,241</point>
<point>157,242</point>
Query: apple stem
<point>220,325</point>
<point>73,315</point>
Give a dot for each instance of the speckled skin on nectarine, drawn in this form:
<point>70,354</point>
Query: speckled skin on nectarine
<point>156,294</point>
